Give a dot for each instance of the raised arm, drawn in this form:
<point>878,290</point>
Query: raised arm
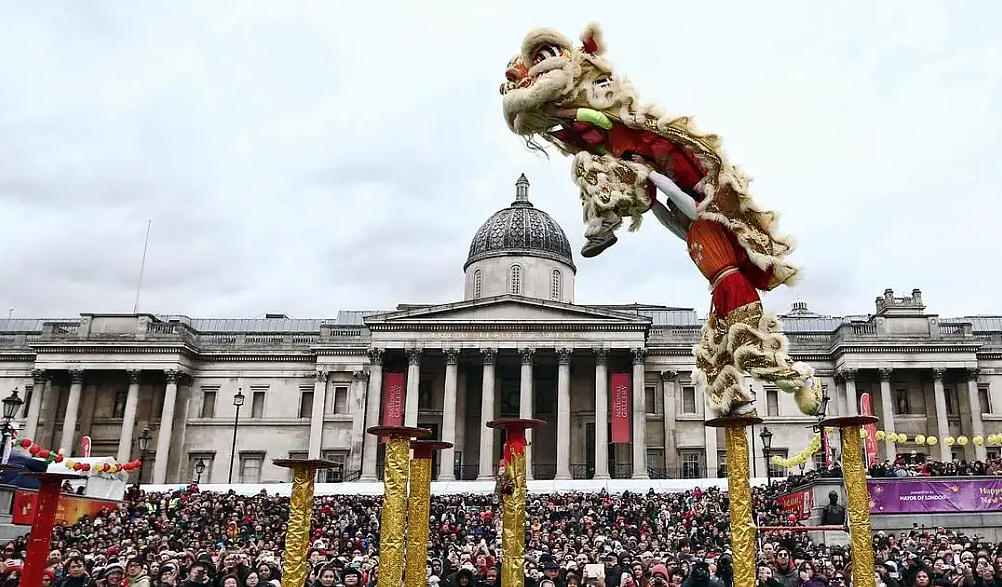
<point>682,201</point>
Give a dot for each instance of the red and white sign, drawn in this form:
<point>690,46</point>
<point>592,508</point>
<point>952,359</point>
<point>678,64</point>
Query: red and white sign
<point>85,444</point>
<point>798,503</point>
<point>866,409</point>
<point>393,399</point>
<point>620,406</point>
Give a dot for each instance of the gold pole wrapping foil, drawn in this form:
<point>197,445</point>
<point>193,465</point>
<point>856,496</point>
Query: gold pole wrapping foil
<point>419,510</point>
<point>739,495</point>
<point>394,518</point>
<point>513,525</point>
<point>297,538</point>
<point>858,499</point>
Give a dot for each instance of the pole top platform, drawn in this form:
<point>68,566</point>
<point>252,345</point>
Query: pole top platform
<point>303,463</point>
<point>424,448</point>
<point>733,422</point>
<point>847,421</point>
<point>516,423</point>
<point>399,431</point>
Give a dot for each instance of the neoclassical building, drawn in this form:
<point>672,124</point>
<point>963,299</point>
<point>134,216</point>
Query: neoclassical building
<point>516,345</point>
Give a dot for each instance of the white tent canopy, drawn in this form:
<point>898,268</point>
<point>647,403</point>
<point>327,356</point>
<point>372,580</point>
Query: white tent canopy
<point>111,487</point>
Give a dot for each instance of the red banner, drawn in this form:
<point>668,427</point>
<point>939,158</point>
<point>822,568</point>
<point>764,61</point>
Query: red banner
<point>866,409</point>
<point>620,405</point>
<point>393,399</point>
<point>798,503</point>
<point>71,508</point>
<point>85,444</point>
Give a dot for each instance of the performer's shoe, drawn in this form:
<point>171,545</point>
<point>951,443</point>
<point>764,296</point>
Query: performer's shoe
<point>598,243</point>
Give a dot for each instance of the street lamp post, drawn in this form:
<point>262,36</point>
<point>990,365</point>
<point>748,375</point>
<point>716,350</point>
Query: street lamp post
<point>11,404</point>
<point>199,469</point>
<point>821,416</point>
<point>143,441</point>
<point>238,400</point>
<point>766,437</point>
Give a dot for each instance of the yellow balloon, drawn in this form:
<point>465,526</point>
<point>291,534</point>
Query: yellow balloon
<point>962,440</point>
<point>992,439</point>
<point>862,432</point>
<point>949,441</point>
<point>881,435</point>
<point>931,441</point>
<point>978,440</point>
<point>777,459</point>
<point>920,439</point>
<point>69,464</point>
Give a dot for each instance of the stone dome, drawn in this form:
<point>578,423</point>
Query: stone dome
<point>521,230</point>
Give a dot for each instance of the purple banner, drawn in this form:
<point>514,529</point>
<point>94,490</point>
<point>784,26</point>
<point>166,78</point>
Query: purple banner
<point>935,495</point>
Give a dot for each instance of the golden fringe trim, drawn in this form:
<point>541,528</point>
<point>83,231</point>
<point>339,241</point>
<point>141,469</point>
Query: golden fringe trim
<point>747,340</point>
<point>608,184</point>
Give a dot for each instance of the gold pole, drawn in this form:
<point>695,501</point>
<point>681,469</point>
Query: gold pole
<point>513,503</point>
<point>297,537</point>
<point>857,497</point>
<point>419,512</point>
<point>739,496</point>
<point>394,518</point>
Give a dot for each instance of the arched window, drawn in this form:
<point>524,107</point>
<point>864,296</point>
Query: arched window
<point>478,284</point>
<point>555,285</point>
<point>515,280</point>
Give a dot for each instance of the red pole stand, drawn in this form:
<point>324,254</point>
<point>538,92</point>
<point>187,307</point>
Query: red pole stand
<point>39,541</point>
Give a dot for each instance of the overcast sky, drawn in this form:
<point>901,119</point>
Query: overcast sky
<point>305,157</point>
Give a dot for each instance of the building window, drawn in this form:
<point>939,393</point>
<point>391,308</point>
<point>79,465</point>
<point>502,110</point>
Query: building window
<point>424,395</point>
<point>208,409</point>
<point>335,474</point>
<point>29,392</point>
<point>771,401</point>
<point>555,289</point>
<point>776,470</point>
<point>515,280</point>
<point>656,463</point>
<point>257,402</point>
<point>478,284</point>
<point>121,397</point>
<point>994,452</point>
<point>250,467</point>
<point>206,458</point>
<point>984,398</point>
<point>650,399</point>
<point>951,401</point>
<point>901,402</point>
<point>691,464</point>
<point>341,399</point>
<point>721,464</point>
<point>819,461</point>
<point>688,399</point>
<point>305,402</point>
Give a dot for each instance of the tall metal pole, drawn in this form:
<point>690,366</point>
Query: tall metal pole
<point>142,267</point>
<point>142,467</point>
<point>233,449</point>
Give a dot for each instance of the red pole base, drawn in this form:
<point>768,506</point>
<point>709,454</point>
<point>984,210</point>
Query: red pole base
<point>39,541</point>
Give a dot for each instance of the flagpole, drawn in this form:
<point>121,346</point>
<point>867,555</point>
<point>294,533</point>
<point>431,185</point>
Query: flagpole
<point>142,266</point>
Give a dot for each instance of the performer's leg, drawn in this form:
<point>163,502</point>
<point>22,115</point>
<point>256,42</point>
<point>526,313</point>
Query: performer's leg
<point>601,233</point>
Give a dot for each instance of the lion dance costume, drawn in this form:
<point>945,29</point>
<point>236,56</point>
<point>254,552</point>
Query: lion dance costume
<point>625,152</point>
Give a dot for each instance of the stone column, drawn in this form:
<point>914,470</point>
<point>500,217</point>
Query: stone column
<point>72,411</point>
<point>166,431</point>
<point>977,422</point>
<point>446,464</point>
<point>669,380</point>
<point>564,414</point>
<point>639,415</point>
<point>887,408</point>
<point>317,412</point>
<point>601,413</point>
<point>373,396</point>
<point>851,402</point>
<point>526,403</point>
<point>712,460</point>
<point>486,472</point>
<point>129,418</point>
<point>942,423</point>
<point>39,392</point>
<point>413,386</point>
<point>359,382</point>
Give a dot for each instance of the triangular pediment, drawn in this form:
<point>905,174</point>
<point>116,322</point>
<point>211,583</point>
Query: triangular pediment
<point>508,308</point>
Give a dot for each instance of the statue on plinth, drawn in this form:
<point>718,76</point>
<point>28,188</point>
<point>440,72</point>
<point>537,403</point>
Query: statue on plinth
<point>833,514</point>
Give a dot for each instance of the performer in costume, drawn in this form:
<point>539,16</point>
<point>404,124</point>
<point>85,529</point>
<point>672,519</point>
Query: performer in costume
<point>625,152</point>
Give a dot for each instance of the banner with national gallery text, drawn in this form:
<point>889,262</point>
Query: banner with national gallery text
<point>393,399</point>
<point>620,406</point>
<point>866,409</point>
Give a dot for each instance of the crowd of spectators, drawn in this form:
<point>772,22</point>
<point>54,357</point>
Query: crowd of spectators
<point>192,538</point>
<point>916,465</point>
